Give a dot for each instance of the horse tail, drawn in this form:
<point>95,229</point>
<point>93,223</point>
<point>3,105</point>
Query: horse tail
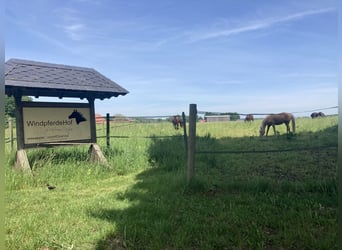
<point>262,127</point>
<point>293,123</point>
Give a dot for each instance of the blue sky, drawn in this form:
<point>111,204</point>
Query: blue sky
<point>241,56</point>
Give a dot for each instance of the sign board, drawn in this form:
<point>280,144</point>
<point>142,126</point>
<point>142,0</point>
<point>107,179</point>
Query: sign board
<point>55,123</point>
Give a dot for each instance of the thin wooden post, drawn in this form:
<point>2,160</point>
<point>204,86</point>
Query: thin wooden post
<point>185,135</point>
<point>10,126</point>
<point>192,141</point>
<point>108,130</point>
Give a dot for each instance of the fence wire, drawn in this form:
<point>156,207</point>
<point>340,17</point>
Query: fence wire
<point>140,137</point>
<point>244,114</point>
<point>264,151</point>
<point>165,117</point>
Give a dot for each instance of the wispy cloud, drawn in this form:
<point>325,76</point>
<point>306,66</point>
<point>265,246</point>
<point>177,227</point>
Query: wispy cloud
<point>71,24</point>
<point>74,31</point>
<point>39,34</point>
<point>257,25</point>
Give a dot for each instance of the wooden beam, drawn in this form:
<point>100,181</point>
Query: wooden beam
<point>92,119</point>
<point>21,162</point>
<point>19,121</point>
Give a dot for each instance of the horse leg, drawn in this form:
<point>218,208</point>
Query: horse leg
<point>174,124</point>
<point>274,129</point>
<point>268,127</point>
<point>287,128</point>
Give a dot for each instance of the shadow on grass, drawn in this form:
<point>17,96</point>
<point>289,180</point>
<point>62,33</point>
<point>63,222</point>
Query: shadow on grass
<point>235,201</point>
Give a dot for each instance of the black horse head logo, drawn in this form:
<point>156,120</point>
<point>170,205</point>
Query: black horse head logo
<point>78,116</point>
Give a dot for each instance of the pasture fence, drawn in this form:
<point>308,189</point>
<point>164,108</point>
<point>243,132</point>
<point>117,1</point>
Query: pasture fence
<point>189,140</point>
<point>141,119</point>
<point>192,137</point>
<point>265,151</point>
<point>129,121</point>
<point>263,114</point>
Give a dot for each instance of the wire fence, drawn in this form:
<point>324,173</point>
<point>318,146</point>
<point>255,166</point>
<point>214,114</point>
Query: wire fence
<point>140,137</point>
<point>189,141</point>
<point>266,151</point>
<point>319,148</point>
<point>254,113</point>
<point>125,121</point>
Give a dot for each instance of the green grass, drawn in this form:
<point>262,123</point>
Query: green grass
<point>283,200</point>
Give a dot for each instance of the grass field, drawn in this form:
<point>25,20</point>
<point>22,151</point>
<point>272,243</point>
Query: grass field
<point>236,200</point>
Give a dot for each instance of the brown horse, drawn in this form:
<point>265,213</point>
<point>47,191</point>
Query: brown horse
<point>249,118</point>
<point>277,119</point>
<point>177,122</point>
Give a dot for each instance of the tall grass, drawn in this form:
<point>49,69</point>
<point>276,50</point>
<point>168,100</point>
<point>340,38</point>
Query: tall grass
<point>283,200</point>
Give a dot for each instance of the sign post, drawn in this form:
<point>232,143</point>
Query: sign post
<point>21,162</point>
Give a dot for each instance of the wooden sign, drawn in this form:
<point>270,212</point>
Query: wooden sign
<point>56,123</point>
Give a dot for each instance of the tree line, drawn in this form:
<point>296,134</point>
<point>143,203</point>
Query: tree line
<point>10,105</point>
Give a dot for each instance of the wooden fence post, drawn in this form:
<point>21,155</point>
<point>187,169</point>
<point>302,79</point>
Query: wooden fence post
<point>192,141</point>
<point>108,130</point>
<point>185,135</point>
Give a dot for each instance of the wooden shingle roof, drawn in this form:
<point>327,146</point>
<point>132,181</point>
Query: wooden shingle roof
<point>32,78</point>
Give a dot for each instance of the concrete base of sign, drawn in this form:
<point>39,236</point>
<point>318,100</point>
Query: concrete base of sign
<point>96,154</point>
<point>22,162</point>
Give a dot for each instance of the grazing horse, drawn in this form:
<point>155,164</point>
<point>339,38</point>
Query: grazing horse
<point>315,114</point>
<point>78,116</point>
<point>177,122</point>
<point>249,118</point>
<point>277,119</point>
